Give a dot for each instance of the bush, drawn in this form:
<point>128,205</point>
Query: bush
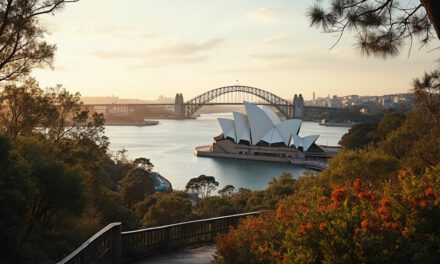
<point>371,166</point>
<point>353,223</point>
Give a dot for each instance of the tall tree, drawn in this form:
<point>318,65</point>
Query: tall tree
<point>23,107</point>
<point>202,185</point>
<point>22,44</point>
<point>381,26</point>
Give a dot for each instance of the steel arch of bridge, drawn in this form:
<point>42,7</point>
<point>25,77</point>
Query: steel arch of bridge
<point>284,106</point>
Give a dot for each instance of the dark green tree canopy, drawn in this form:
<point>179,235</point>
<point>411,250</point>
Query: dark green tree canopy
<point>381,26</point>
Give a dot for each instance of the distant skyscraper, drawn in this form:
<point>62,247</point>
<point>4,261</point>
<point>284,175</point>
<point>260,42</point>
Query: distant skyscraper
<point>314,99</point>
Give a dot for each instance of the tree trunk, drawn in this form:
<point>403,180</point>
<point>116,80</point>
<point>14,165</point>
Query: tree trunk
<point>432,8</point>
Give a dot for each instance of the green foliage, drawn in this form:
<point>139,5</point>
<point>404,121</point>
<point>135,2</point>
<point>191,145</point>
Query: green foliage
<point>352,223</point>
<point>55,169</point>
<point>168,208</point>
<point>381,26</point>
<point>369,165</point>
<point>135,185</point>
<point>427,91</point>
<point>144,164</point>
<point>202,185</point>
<point>227,191</point>
<point>390,122</point>
<point>359,136</point>
<point>16,191</point>
<point>214,206</point>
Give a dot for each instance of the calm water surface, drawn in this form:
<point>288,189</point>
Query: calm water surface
<point>170,146</point>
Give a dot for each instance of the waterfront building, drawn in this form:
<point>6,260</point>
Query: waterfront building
<point>261,135</point>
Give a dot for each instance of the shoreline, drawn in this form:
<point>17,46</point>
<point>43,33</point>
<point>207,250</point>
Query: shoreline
<point>204,151</point>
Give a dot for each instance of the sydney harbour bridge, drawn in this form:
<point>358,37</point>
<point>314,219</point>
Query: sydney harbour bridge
<point>227,95</point>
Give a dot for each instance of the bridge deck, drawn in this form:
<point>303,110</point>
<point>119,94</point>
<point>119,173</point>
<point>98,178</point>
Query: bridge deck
<point>200,255</point>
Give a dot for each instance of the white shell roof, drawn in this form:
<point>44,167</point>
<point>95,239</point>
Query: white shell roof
<point>304,142</point>
<point>271,114</point>
<point>242,129</point>
<point>288,128</point>
<point>259,122</point>
<point>273,136</point>
<point>228,127</point>
<point>263,124</point>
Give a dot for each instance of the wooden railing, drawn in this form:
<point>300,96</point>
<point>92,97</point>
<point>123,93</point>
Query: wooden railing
<point>146,242</point>
<point>111,246</point>
<point>104,247</point>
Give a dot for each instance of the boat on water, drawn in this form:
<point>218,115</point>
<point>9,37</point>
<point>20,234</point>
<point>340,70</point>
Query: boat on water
<point>148,122</point>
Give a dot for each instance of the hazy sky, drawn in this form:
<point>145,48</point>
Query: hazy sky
<point>146,48</point>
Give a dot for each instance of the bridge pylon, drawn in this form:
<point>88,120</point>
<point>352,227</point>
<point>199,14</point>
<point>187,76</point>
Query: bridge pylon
<point>179,106</point>
<point>298,106</point>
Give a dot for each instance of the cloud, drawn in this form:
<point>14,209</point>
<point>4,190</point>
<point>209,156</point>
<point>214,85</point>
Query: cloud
<point>164,61</point>
<point>178,53</point>
<point>116,32</point>
<point>121,32</point>
<point>266,15</point>
<point>279,40</point>
<point>187,48</point>
<point>174,53</point>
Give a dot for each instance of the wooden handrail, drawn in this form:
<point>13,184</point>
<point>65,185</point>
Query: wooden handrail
<point>138,244</point>
<point>111,246</point>
<point>188,222</point>
<point>102,247</point>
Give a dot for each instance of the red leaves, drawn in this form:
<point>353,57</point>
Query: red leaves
<point>385,216</point>
<point>365,225</point>
<point>337,194</point>
<point>429,191</point>
<point>357,184</point>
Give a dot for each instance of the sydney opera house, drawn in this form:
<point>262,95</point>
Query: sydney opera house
<point>261,135</point>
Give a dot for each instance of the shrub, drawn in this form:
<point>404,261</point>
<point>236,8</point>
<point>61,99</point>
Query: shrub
<point>351,223</point>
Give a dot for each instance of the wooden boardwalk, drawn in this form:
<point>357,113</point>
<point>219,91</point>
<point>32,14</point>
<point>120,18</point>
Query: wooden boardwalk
<point>202,255</point>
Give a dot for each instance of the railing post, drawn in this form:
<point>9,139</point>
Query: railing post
<point>213,230</point>
<point>116,232</point>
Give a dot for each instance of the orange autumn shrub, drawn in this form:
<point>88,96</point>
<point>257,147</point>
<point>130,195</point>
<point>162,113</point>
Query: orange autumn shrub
<point>353,223</point>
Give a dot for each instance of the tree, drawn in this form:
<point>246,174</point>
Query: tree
<point>359,136</point>
<point>169,208</point>
<point>16,192</point>
<point>427,91</point>
<point>144,164</point>
<point>279,188</point>
<point>135,185</point>
<point>227,191</point>
<point>381,26</point>
<point>214,206</point>
<point>23,107</point>
<point>22,45</point>
<point>202,185</point>
<point>372,166</point>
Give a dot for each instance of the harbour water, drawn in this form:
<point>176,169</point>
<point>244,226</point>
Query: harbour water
<point>170,146</point>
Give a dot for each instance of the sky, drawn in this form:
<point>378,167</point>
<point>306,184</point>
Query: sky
<point>142,49</point>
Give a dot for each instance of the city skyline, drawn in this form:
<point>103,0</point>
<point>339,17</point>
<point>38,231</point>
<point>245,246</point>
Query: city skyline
<point>150,48</point>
